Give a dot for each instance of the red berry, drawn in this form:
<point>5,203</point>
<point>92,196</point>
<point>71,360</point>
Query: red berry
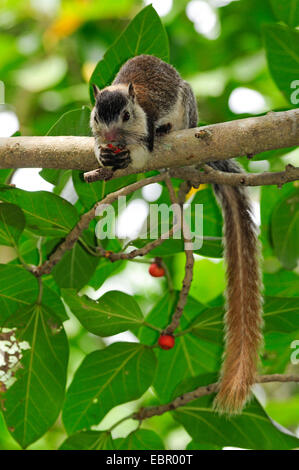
<point>110,146</point>
<point>166,341</point>
<point>156,271</point>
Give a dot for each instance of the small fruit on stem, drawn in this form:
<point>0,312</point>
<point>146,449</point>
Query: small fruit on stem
<point>166,341</point>
<point>156,270</point>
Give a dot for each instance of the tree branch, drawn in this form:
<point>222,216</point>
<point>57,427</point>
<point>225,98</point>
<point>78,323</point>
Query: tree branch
<point>178,203</point>
<point>85,220</point>
<point>150,411</point>
<point>186,147</point>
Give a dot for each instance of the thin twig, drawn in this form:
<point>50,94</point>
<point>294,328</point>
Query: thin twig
<point>85,220</point>
<point>178,203</point>
<point>210,175</point>
<point>182,400</point>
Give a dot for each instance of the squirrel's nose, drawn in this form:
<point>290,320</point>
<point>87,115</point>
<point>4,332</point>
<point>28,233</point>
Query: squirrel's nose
<point>111,135</point>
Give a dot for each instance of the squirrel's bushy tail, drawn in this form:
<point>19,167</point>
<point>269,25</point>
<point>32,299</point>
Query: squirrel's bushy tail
<point>243,320</point>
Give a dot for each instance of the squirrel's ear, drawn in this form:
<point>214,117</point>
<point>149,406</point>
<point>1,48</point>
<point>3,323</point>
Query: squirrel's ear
<point>131,91</point>
<point>96,90</point>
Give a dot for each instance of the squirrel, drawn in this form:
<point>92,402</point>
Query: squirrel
<point>147,99</point>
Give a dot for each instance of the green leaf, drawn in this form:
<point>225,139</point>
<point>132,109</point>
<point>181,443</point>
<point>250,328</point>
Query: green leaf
<point>202,446</point>
<point>209,324</point>
<point>90,193</point>
<point>286,11</point>
<point>285,230</point>
<point>282,49</point>
<point>104,270</point>
<point>142,439</point>
<point>270,197</point>
<point>144,35</point>
<point>211,223</point>
<point>89,440</point>
<point>190,356</point>
<point>18,289</point>
<point>46,214</point>
<point>74,122</point>
<point>253,429</point>
<point>34,400</point>
<point>281,314</point>
<point>12,224</point>
<point>120,373</point>
<point>50,299</point>
<point>75,268</point>
<point>281,284</point>
<point>113,313</point>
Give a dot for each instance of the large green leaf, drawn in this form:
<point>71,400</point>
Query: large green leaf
<point>142,439</point>
<point>144,35</point>
<point>253,429</point>
<point>90,193</point>
<point>46,213</point>
<point>122,372</point>
<point>52,300</point>
<point>75,122</point>
<point>190,356</point>
<point>285,230</point>
<point>282,49</point>
<point>75,267</point>
<point>104,270</point>
<point>113,313</point>
<point>287,11</point>
<point>18,288</point>
<point>281,284</point>
<point>270,197</point>
<point>281,314</point>
<point>211,224</point>
<point>34,400</point>
<point>12,224</point>
<point>89,440</point>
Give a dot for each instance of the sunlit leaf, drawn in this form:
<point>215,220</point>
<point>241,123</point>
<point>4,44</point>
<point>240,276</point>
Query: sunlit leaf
<point>122,372</point>
<point>144,35</point>
<point>33,402</point>
<point>113,313</point>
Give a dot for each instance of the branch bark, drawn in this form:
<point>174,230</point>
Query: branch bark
<point>150,411</point>
<point>186,147</point>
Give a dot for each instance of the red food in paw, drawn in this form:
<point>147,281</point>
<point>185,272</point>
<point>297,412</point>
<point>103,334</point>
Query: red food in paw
<point>166,341</point>
<point>156,271</point>
<point>114,148</point>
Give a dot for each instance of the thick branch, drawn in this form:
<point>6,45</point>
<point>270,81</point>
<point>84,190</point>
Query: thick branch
<point>150,411</point>
<point>216,142</point>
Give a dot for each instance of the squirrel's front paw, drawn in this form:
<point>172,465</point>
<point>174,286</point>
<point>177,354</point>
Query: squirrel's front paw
<point>115,157</point>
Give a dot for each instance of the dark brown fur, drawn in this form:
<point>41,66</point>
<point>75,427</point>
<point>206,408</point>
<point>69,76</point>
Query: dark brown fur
<point>156,84</point>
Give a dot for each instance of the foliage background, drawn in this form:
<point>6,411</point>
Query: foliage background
<point>48,53</point>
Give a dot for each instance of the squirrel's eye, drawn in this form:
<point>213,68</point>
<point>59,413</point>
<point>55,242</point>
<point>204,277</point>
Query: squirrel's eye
<point>126,116</point>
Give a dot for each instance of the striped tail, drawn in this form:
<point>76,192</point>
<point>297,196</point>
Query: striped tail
<point>243,320</point>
